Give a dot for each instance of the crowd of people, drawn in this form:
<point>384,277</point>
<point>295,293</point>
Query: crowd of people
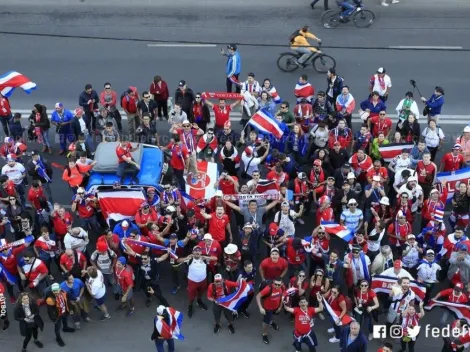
<point>319,165</point>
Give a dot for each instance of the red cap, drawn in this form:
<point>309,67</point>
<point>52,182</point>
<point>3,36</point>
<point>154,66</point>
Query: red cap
<point>459,285</point>
<point>133,89</point>
<point>273,228</point>
<point>397,264</point>
<point>249,151</point>
<point>101,246</point>
<point>317,162</point>
<point>72,147</point>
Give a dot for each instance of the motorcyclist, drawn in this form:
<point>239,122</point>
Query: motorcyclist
<point>300,44</point>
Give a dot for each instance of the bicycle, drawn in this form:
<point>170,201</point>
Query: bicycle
<point>320,62</point>
<point>362,18</point>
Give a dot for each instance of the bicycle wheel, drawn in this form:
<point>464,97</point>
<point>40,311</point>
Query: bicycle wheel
<point>330,19</point>
<point>364,18</point>
<point>286,62</point>
<point>323,63</point>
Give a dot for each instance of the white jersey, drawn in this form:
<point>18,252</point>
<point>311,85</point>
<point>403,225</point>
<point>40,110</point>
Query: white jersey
<point>428,272</point>
<point>413,195</point>
<point>411,259</point>
<point>197,270</point>
<point>401,301</point>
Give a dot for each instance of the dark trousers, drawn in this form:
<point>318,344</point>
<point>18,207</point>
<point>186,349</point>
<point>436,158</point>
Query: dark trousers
<point>325,5</point>
<point>126,168</point>
<point>30,332</point>
<point>310,340</point>
<point>156,289</point>
<point>411,346</point>
<point>118,118</point>
<point>4,120</point>
<point>244,306</point>
<point>229,85</point>
<point>433,151</point>
<point>217,310</point>
<point>162,108</point>
<point>159,344</point>
<point>179,175</point>
<point>337,328</point>
<point>58,325</point>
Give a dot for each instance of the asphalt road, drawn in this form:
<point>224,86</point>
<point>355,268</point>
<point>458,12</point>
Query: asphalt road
<point>61,64</point>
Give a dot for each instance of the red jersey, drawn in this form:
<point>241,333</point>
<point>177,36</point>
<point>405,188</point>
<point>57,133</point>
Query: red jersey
<point>113,243</point>
<point>452,162</point>
<point>317,178</point>
<point>273,270</point>
<point>325,215</point>
<point>179,153</point>
<point>84,209</point>
<point>360,167</point>
<point>302,321</point>
<point>227,187</point>
<point>448,295</point>
<point>10,261</point>
<point>382,172</point>
<point>60,224</point>
<point>34,270</point>
<point>380,125</point>
<point>217,226</point>
<point>5,108</point>
<point>68,262</point>
<point>34,195</point>
<point>123,152</point>
<point>426,173</point>
<point>214,250</point>
<point>10,188</point>
<point>274,176</point>
<point>294,256</point>
<point>402,231</point>
<point>300,187</point>
<point>365,299</point>
<point>272,297</point>
<point>220,291</point>
<point>322,246</point>
<point>124,277</point>
<point>343,138</point>
<point>142,219</point>
<point>129,103</point>
<point>221,115</point>
<point>335,302</point>
<point>137,248</point>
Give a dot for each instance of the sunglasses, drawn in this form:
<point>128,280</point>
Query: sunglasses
<point>382,114</point>
<point>321,233</point>
<point>12,199</point>
<point>404,197</point>
<point>186,125</point>
<point>352,205</point>
<point>80,194</point>
<point>355,252</point>
<point>334,293</point>
<point>146,208</point>
<point>198,97</point>
<point>301,275</point>
<point>147,97</point>
<point>107,87</point>
<point>283,107</point>
<point>277,285</point>
<point>364,285</point>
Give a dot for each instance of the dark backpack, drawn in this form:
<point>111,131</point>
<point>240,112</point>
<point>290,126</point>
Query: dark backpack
<point>293,36</point>
<point>125,94</point>
<point>263,285</point>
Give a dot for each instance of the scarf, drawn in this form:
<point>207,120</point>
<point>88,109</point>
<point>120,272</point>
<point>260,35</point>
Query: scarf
<point>381,82</point>
<point>197,112</point>
<point>343,100</point>
<point>42,170</point>
<point>168,196</point>
<point>423,261</point>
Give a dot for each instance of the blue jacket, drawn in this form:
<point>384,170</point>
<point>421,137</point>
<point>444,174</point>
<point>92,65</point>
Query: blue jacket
<point>68,116</point>
<point>302,144</point>
<point>416,155</point>
<point>367,104</point>
<point>118,230</point>
<point>435,104</point>
<point>358,345</point>
<point>234,64</point>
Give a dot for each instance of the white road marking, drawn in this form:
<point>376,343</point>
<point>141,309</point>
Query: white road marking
<point>417,47</point>
<point>180,45</point>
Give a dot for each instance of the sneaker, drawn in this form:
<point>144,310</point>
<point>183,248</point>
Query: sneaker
<point>274,326</point>
<point>265,339</point>
<point>201,304</point>
<point>231,328</point>
<point>371,336</point>
<point>175,290</point>
<point>312,5</point>
<point>105,317</point>
<point>130,312</point>
<point>321,316</point>
<point>331,331</point>
<point>190,311</point>
<point>299,64</point>
<point>335,340</point>
<point>245,314</point>
<point>6,325</point>
<point>67,329</point>
<point>77,325</point>
<point>60,342</point>
<point>87,320</point>
<point>38,343</point>
<point>216,328</point>
<point>384,4</point>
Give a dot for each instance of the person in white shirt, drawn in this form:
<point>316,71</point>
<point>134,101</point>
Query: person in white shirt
<point>411,254</point>
<point>403,109</point>
<point>83,160</point>
<point>434,137</point>
<point>401,297</point>
<point>250,161</point>
<point>16,172</point>
<point>76,238</point>
<point>381,83</point>
<point>427,272</point>
<point>414,191</point>
<point>401,178</point>
<point>397,271</point>
<point>285,218</point>
<point>97,289</point>
<point>320,134</point>
<point>251,85</point>
<point>401,162</point>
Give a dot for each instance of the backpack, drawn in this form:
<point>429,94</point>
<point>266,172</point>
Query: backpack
<point>263,285</point>
<point>278,215</point>
<point>293,36</point>
<point>214,290</point>
<point>125,94</point>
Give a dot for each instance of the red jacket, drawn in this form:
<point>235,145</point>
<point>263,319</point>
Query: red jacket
<point>129,103</point>
<point>161,92</point>
<point>113,102</point>
<point>5,108</point>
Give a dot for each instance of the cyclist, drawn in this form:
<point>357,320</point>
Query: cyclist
<point>347,7</point>
<point>300,44</point>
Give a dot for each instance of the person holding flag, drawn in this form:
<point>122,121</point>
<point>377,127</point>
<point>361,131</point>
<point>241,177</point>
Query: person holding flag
<point>166,327</point>
<point>221,288</point>
<point>303,323</point>
<point>40,169</point>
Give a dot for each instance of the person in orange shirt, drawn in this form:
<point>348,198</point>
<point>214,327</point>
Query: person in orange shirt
<point>75,174</point>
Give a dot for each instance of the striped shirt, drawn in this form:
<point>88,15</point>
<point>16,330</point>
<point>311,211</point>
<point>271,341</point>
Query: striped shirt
<point>351,220</point>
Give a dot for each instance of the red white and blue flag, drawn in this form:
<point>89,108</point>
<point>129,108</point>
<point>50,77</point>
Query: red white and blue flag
<point>11,80</point>
<point>345,320</point>
<point>152,246</point>
<point>462,311</point>
<point>439,214</point>
<point>120,204</point>
<point>263,121</point>
<point>173,329</point>
<point>202,185</point>
<point>390,151</point>
<point>453,179</point>
<point>384,284</point>
<point>233,301</point>
<point>267,187</point>
<point>339,230</point>
<point>275,95</point>
<point>304,90</point>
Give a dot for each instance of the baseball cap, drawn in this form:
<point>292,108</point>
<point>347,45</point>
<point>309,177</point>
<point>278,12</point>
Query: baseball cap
<point>458,286</point>
<point>352,201</point>
<point>251,74</point>
<point>133,89</point>
<point>302,175</point>
<point>434,190</point>
<point>170,209</point>
<point>411,236</point>
<point>232,47</point>
<point>55,287</point>
<point>249,151</point>
<point>88,86</point>
<point>384,201</point>
<point>125,224</point>
<point>248,224</point>
<point>207,236</point>
<point>217,277</point>
<point>219,193</point>
<point>186,122</point>
<point>122,260</point>
<point>59,105</point>
<point>317,162</point>
<point>351,175</point>
<point>381,70</point>
<point>273,228</point>
<point>412,178</point>
<point>101,246</point>
<point>430,251</point>
<point>457,146</point>
<point>182,83</point>
<point>173,236</point>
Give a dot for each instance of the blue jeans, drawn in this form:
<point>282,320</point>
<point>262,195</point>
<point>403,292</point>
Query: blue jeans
<point>349,8</point>
<point>160,348</point>
<point>45,138</point>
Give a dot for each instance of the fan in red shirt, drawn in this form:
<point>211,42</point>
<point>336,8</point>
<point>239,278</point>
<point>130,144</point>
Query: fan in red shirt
<point>134,250</point>
<point>317,176</point>
<point>130,100</point>
<point>324,212</point>
<point>359,240</point>
<point>274,266</point>
<point>179,159</point>
<point>398,232</point>
<point>303,113</point>
<point>61,220</point>
<point>300,283</point>
<point>365,301</point>
<point>295,253</point>
<point>278,175</point>
<point>112,240</point>
<point>380,123</point>
<point>144,217</point>
<point>127,164</point>
<point>452,161</point>
<point>7,189</point>
<point>33,271</point>
<point>301,188</point>
<point>426,171</point>
<point>222,112</point>
<point>125,279</point>
<point>378,170</point>
<point>303,317</point>
<point>269,301</point>
<point>320,244</point>
<point>36,195</point>
<point>217,290</point>
<point>228,184</point>
<point>9,260</point>
<point>452,295</point>
<point>67,262</point>
<point>360,163</point>
<point>84,204</point>
<point>211,248</point>
<point>219,224</point>
<point>436,200</point>
<point>337,302</point>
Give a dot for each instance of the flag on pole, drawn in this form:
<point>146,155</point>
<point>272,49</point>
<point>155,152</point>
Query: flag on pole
<point>275,95</point>
<point>120,204</point>
<point>462,311</point>
<point>339,230</point>
<point>345,320</point>
<point>11,80</point>
<point>263,121</point>
<point>267,187</point>
<point>233,301</point>
<point>173,329</point>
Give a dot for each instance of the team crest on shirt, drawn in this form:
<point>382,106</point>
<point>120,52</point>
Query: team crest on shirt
<point>199,182</point>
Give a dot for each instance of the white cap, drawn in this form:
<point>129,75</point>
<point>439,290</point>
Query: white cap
<point>186,122</point>
<point>231,249</point>
<point>411,236</point>
<point>430,251</point>
<point>80,190</point>
<point>170,209</point>
<point>207,236</point>
<point>400,214</point>
<point>385,201</point>
<point>125,223</point>
<point>412,178</point>
<point>351,175</point>
<point>434,190</point>
<point>381,70</point>
<point>376,178</point>
<point>219,193</point>
<point>160,310</point>
<point>466,129</point>
<point>352,201</point>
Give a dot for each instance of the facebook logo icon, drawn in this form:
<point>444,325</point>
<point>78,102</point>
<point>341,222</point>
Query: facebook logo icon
<point>379,331</point>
